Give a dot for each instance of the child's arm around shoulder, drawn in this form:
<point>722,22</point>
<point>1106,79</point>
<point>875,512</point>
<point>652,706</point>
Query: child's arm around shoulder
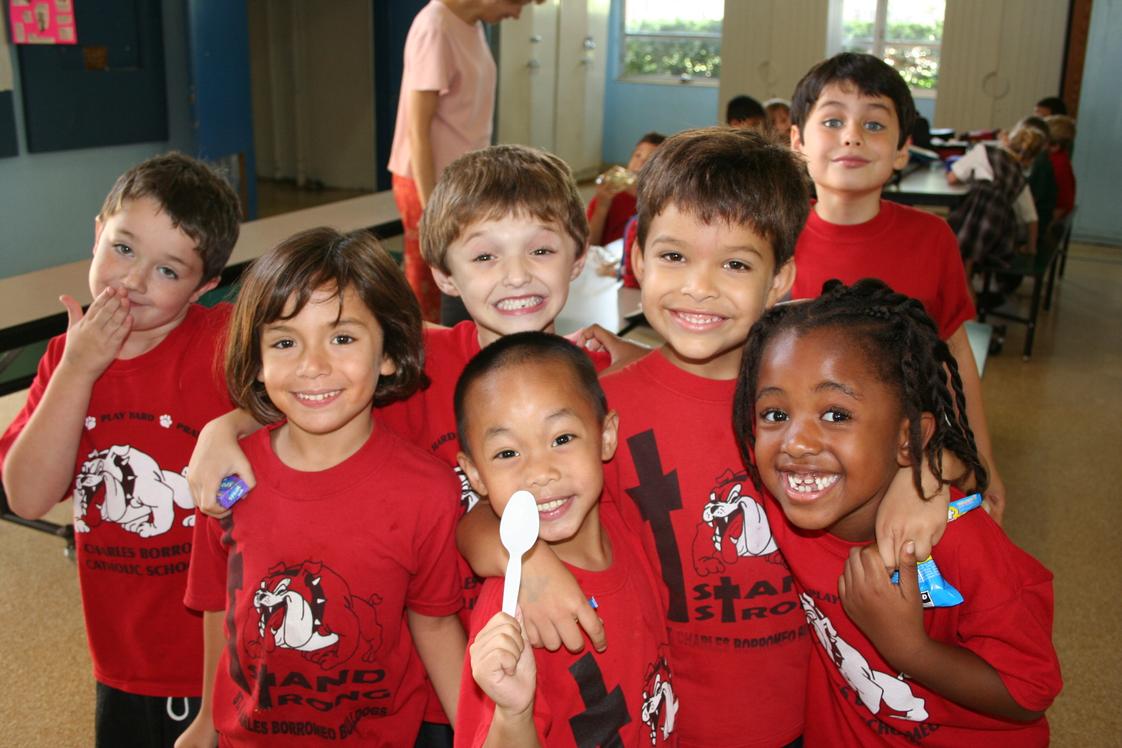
<point>891,616</point>
<point>554,608</point>
<point>216,455</point>
<point>39,466</point>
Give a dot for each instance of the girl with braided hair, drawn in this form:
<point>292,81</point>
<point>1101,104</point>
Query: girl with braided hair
<point>834,396</point>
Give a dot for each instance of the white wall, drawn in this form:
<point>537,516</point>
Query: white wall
<point>312,66</point>
<point>998,58</point>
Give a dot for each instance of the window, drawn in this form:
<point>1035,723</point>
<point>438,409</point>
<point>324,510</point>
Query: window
<point>672,40</point>
<point>905,34</point>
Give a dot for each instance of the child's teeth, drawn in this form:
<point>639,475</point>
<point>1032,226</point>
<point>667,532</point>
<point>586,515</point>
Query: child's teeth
<point>549,506</point>
<point>808,483</point>
<point>513,305</point>
<point>317,397</point>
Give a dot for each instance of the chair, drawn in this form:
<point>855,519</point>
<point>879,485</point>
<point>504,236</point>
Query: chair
<point>1041,268</point>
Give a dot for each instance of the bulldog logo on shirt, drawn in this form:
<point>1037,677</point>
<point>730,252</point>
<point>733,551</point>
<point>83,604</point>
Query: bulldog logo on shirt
<point>136,493</point>
<point>733,525</point>
<point>660,705</point>
<point>310,608</point>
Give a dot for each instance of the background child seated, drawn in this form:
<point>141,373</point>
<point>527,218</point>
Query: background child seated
<point>112,415</point>
<point>613,205</point>
<point>835,395</point>
<point>999,202</point>
<point>532,417</point>
<point>1061,130</point>
<point>338,568</point>
<point>744,112</point>
<point>779,119</point>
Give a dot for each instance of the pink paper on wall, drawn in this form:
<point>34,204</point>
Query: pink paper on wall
<point>42,22</point>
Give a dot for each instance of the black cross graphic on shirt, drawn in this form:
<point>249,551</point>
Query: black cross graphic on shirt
<point>657,495</point>
<point>604,713</point>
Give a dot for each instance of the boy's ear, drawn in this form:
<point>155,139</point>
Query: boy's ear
<point>98,226</point>
<point>637,261</point>
<point>445,282</point>
<point>578,265</point>
<point>900,160</point>
<point>609,437</point>
<point>471,472</point>
<point>781,283</point>
<point>796,139</point>
<point>209,285</point>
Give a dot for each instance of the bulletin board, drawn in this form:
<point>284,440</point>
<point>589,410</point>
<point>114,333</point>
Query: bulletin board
<point>8,144</point>
<point>107,89</point>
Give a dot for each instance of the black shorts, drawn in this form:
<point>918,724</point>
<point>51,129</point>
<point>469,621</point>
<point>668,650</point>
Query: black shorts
<point>126,720</point>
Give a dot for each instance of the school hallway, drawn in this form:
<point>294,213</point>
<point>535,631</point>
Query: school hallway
<point>1056,423</point>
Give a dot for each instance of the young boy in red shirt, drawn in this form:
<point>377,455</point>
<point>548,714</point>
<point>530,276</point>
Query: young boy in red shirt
<point>851,115</point>
<point>532,417</point>
<point>112,415</point>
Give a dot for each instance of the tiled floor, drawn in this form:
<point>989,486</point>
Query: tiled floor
<point>1057,425</point>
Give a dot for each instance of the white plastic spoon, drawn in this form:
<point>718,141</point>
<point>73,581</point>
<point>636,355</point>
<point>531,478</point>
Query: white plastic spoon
<point>518,531</point>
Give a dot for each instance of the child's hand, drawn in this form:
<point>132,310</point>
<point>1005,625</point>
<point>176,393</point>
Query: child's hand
<point>890,615</point>
<point>199,734</point>
<point>216,455</point>
<point>554,608</point>
<point>904,516</point>
<point>994,496</point>
<point>503,664</point>
<point>596,338</point>
<point>95,338</point>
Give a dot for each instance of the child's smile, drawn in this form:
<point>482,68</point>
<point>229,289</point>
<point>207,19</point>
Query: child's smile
<point>320,368</point>
<point>512,273</point>
<point>703,287</point>
<point>830,434</point>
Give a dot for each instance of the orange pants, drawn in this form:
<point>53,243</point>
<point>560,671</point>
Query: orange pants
<point>416,271</point>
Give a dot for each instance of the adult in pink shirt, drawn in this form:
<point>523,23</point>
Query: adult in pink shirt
<point>446,107</point>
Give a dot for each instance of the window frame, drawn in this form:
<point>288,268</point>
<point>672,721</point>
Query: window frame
<point>684,79</point>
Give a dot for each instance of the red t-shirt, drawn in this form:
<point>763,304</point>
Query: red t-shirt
<point>133,510</point>
<point>619,213</point>
<point>428,420</point>
<point>625,694</point>
<point>315,571</point>
<point>1065,179</point>
<point>855,698</point>
<point>914,252</point>
<point>738,641</point>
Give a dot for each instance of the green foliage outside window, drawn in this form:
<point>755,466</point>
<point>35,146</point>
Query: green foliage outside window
<point>694,54</point>
<point>918,64</point>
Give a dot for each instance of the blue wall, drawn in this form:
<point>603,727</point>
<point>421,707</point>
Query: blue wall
<point>48,200</point>
<point>1098,151</point>
<point>632,109</point>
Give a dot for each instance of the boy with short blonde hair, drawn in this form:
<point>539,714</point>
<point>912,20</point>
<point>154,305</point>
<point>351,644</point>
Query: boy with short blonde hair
<point>113,413</point>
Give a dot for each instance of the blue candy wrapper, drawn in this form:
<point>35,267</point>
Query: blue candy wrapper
<point>935,591</point>
<point>231,490</point>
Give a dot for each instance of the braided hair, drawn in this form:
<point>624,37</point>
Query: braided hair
<point>902,343</point>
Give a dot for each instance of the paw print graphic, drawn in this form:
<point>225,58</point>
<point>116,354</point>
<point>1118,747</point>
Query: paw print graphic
<point>91,422</point>
<point>165,421</point>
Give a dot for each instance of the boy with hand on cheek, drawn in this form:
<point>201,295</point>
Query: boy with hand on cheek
<point>532,416</point>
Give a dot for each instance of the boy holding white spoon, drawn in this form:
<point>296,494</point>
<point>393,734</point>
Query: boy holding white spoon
<point>531,416</point>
